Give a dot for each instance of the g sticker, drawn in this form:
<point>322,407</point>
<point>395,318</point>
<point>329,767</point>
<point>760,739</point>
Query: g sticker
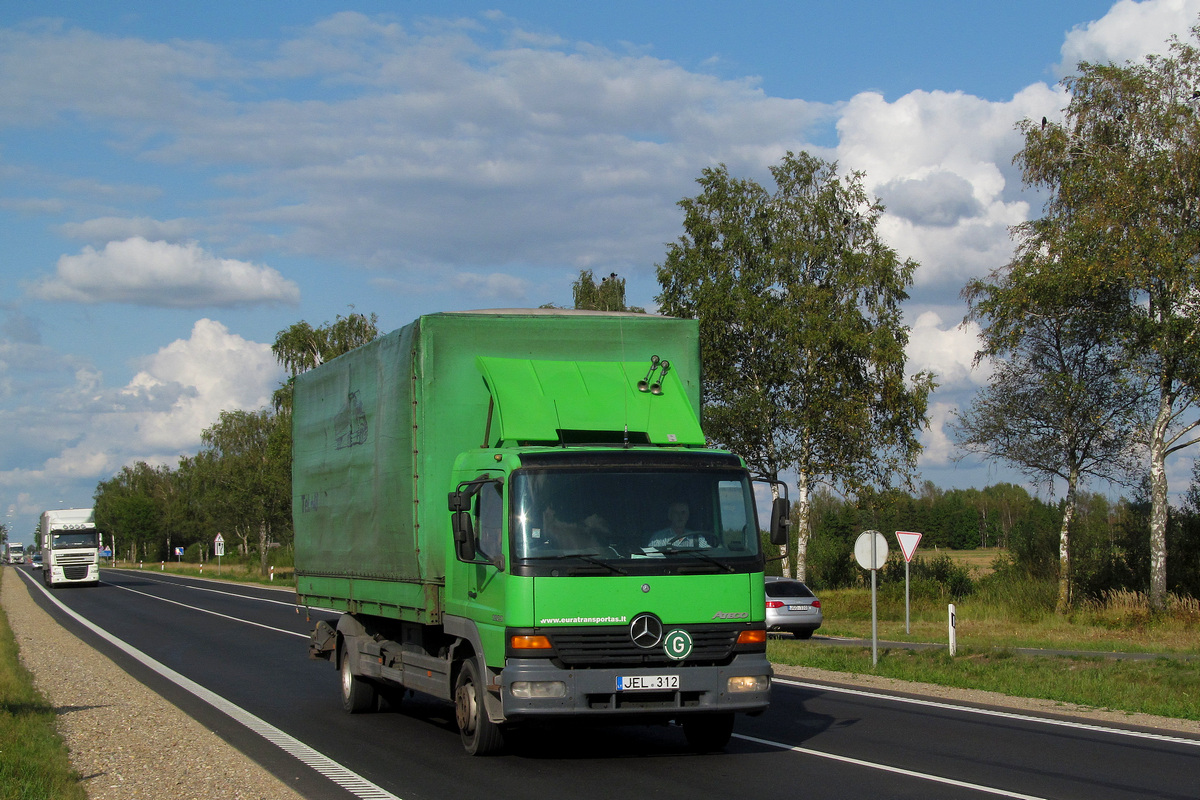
<point>678,644</point>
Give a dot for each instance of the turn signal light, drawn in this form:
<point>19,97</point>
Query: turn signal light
<point>758,636</point>
<point>531,643</point>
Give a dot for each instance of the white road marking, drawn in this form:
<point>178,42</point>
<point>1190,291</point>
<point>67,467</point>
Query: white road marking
<point>886,768</point>
<point>181,585</point>
<point>993,712</point>
<point>350,781</point>
<point>206,611</point>
<point>214,591</point>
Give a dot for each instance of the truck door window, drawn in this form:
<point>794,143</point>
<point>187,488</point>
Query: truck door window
<point>737,531</point>
<point>490,516</point>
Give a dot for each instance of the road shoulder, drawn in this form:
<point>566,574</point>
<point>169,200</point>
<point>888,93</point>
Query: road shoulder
<point>125,740</point>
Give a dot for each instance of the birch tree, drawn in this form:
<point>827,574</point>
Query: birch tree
<point>1060,403</point>
<point>1122,176</point>
<point>801,337</point>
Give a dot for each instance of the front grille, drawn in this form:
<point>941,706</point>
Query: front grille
<point>644,700</point>
<point>64,559</point>
<point>75,573</point>
<point>611,646</point>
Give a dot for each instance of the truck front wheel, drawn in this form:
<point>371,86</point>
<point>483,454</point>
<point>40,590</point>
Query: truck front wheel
<point>358,695</point>
<point>480,736</point>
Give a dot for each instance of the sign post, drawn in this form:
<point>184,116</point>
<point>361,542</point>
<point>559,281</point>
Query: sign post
<point>219,550</point>
<point>908,545</point>
<point>870,550</point>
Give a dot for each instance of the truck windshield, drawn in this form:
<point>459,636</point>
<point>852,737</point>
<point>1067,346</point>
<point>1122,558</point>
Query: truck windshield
<point>61,540</point>
<point>632,515</point>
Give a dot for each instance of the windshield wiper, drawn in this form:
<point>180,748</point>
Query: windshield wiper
<point>699,553</point>
<point>591,558</point>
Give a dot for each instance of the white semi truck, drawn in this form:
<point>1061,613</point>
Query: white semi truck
<point>70,547</point>
<point>16,553</point>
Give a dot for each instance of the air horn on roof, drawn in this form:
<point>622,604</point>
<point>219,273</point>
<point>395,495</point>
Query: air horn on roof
<point>644,385</point>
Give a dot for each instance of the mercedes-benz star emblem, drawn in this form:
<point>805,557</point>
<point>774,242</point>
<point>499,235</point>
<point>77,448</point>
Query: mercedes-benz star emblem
<point>646,630</point>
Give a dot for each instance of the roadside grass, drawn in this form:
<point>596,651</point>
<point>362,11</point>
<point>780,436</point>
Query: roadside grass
<point>1010,618</point>
<point>33,758</point>
<point>239,572</point>
<point>1002,616</point>
<point>1165,687</point>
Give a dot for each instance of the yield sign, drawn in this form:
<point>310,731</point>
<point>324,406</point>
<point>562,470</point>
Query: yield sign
<point>908,543</point>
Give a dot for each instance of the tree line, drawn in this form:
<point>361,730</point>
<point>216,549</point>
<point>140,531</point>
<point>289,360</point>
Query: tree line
<point>1110,542</point>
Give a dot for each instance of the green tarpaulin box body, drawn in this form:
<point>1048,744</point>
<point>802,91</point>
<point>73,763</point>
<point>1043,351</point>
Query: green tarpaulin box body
<point>377,430</point>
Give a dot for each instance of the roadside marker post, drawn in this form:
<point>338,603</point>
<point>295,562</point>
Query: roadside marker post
<point>908,545</point>
<point>953,633</point>
<point>870,550</point>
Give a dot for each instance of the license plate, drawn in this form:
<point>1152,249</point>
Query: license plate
<point>799,608</point>
<point>634,683</point>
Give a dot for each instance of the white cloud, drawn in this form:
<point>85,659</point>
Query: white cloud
<point>212,371</point>
<point>940,161</point>
<point>158,416</point>
<point>162,274</point>
<point>946,351</point>
<point>1129,31</point>
<point>493,286</point>
<point>939,449</point>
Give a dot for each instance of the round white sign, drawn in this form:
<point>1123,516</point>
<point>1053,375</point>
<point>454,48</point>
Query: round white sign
<point>862,550</point>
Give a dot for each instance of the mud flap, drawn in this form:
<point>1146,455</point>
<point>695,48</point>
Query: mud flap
<point>322,641</point>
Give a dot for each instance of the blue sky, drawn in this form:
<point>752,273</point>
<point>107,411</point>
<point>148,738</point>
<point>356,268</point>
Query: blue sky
<point>179,184</point>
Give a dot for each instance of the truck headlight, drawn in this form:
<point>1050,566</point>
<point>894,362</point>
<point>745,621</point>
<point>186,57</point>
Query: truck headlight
<point>529,690</point>
<point>749,683</point>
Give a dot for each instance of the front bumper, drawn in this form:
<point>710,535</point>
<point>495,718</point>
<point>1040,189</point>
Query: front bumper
<point>593,692</point>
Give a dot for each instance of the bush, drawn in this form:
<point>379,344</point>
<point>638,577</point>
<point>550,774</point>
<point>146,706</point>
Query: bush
<point>938,578</point>
<point>831,563</point>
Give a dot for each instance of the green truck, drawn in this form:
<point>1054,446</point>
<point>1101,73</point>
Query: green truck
<point>516,511</point>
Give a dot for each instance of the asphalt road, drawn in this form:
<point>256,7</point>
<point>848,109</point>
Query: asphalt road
<point>240,654</point>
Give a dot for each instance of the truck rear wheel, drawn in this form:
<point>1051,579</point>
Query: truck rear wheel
<point>708,732</point>
<point>358,695</point>
<point>480,736</point>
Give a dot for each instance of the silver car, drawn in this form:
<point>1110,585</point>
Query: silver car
<point>792,607</point>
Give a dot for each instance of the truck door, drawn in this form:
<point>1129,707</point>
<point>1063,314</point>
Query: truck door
<point>485,581</point>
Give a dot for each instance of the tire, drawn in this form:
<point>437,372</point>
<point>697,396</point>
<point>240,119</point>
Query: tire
<point>803,634</point>
<point>480,736</point>
<point>708,732</point>
<point>358,695</point>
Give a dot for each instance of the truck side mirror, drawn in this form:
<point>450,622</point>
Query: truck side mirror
<point>464,535</point>
<point>459,503</point>
<point>780,509</point>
